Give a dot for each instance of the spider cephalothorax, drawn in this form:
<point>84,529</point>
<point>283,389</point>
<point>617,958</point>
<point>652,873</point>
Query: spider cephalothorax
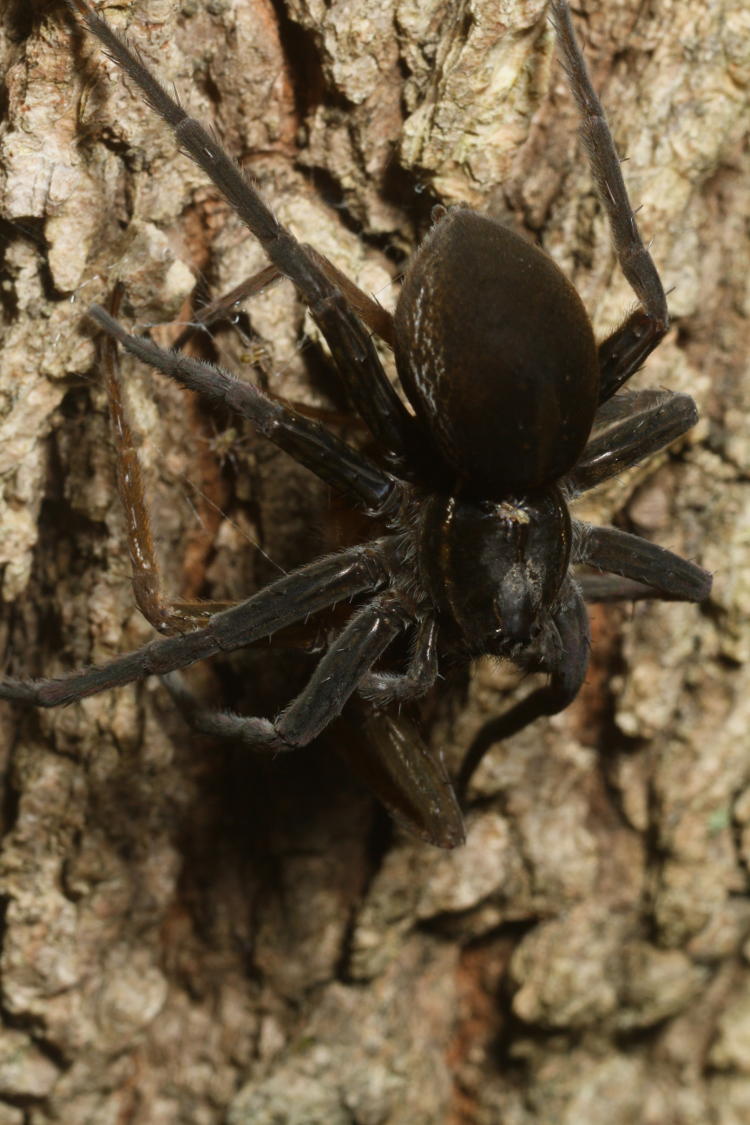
<point>516,410</point>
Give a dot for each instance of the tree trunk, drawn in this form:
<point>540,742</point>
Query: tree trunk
<point>195,935</point>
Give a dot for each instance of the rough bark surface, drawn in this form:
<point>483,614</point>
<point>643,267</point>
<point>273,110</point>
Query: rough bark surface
<point>194,936</point>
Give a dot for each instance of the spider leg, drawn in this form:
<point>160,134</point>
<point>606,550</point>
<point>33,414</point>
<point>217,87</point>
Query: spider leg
<point>292,598</point>
<point>619,552</point>
<point>336,677</point>
<point>354,352</point>
<point>307,441</point>
<point>655,419</point>
<point>565,659</point>
<point>609,588</point>
<point>369,311</point>
<point>624,351</point>
<point>382,688</point>
<point>385,751</point>
<point>166,616</point>
<point>223,307</point>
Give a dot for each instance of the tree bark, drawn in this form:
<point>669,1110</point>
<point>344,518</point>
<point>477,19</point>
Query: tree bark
<point>196,936</point>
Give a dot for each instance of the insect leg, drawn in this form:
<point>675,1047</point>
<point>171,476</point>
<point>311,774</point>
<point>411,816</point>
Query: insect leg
<point>223,307</point>
<point>370,311</point>
<point>387,752</point>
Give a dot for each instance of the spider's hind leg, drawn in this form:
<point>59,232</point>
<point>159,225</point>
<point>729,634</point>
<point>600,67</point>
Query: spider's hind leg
<point>625,350</point>
<point>394,428</point>
<point>307,441</point>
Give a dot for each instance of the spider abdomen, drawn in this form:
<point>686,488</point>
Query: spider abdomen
<point>497,356</point>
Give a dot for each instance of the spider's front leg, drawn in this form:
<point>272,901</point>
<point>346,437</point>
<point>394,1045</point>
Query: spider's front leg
<point>339,673</point>
<point>670,577</point>
<point>290,599</point>
<point>382,688</point>
<point>384,750</point>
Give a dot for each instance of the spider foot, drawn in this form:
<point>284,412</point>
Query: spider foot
<point>18,691</point>
<point>260,734</point>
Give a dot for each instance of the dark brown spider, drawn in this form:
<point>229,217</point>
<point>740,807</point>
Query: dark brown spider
<point>516,410</point>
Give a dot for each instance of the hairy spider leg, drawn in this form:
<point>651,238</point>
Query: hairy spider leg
<point>369,310</point>
<point>389,753</point>
<point>292,598</point>
<point>653,420</point>
<point>369,389</point>
<point>624,351</point>
<point>311,444</point>
<point>645,570</point>
<point>421,673</point>
<point>565,661</point>
<point>338,674</point>
<point>612,588</point>
<point>166,616</point>
<point>619,552</point>
<point>384,750</point>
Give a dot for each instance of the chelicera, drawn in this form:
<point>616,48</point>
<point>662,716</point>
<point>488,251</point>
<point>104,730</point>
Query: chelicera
<point>515,410</point>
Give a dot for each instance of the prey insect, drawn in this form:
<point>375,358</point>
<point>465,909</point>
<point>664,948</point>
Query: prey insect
<point>515,411</point>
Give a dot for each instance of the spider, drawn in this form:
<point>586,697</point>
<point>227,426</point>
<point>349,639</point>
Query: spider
<point>515,411</point>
